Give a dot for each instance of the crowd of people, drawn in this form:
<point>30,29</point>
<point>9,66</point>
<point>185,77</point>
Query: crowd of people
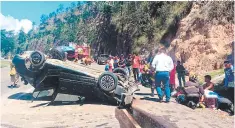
<point>159,72</point>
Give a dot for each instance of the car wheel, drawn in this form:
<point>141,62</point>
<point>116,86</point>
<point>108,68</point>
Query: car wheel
<point>107,81</point>
<point>37,59</point>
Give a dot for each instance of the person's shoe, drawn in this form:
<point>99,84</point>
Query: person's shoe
<point>152,94</point>
<point>167,101</point>
<point>160,100</point>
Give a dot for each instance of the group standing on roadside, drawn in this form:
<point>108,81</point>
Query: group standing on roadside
<point>159,72</point>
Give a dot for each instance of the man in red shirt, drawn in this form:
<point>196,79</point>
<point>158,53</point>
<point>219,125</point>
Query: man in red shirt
<point>136,66</point>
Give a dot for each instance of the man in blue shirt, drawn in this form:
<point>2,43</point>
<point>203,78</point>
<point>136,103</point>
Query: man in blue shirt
<point>229,74</point>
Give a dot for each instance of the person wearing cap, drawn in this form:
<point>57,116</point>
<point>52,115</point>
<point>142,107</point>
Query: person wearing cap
<point>163,64</point>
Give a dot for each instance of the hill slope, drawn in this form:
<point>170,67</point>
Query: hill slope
<point>202,43</point>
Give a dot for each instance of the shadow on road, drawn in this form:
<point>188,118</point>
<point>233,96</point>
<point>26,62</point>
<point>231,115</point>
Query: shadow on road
<point>11,86</point>
<point>27,96</point>
<point>143,94</point>
<point>57,102</point>
<point>150,99</point>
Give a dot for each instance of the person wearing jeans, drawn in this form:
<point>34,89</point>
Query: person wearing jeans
<point>181,73</point>
<point>136,66</point>
<point>163,64</point>
<point>128,64</point>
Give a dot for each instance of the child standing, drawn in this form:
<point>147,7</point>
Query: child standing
<point>14,75</point>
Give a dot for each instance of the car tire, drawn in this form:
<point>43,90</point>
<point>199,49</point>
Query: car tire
<point>107,81</point>
<point>37,59</point>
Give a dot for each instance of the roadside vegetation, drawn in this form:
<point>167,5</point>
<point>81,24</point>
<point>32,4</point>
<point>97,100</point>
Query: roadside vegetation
<point>213,74</point>
<point>4,63</point>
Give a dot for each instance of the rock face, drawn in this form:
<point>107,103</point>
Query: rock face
<point>202,45</point>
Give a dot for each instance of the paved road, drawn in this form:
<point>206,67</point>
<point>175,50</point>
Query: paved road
<point>17,110</point>
<point>6,81</point>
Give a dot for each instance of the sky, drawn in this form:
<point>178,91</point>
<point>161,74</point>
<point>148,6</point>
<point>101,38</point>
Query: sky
<point>21,15</point>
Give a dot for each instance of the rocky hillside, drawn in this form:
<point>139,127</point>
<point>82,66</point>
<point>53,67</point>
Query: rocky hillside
<point>203,44</point>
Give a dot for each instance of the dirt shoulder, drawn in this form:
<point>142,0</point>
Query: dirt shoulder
<point>19,113</point>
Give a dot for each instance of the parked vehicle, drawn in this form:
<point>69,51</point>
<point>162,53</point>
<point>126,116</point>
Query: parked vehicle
<point>59,52</point>
<point>102,58</point>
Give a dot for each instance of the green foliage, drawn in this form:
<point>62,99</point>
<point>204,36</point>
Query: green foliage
<point>113,27</point>
<point>7,42</point>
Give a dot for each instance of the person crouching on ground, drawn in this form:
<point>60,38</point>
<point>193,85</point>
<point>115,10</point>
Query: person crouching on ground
<point>163,64</point>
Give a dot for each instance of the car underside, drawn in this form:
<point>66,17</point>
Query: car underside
<point>67,77</point>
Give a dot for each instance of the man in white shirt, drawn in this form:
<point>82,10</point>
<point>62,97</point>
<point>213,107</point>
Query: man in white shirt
<point>162,64</point>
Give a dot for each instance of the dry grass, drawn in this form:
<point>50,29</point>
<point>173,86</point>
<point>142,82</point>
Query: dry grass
<point>4,63</point>
<point>213,74</point>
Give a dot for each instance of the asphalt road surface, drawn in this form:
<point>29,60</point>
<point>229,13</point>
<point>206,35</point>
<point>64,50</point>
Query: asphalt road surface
<point>17,110</point>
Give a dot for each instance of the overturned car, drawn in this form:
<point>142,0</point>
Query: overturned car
<point>69,78</point>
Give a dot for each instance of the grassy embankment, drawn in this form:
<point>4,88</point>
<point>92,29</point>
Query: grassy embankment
<point>213,75</point>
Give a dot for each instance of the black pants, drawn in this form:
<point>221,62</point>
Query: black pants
<point>136,73</point>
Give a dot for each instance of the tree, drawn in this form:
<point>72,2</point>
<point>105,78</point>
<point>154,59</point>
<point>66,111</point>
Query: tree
<point>22,37</point>
<point>43,18</point>
<point>7,42</point>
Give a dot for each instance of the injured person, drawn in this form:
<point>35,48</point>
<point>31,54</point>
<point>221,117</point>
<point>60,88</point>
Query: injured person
<point>191,94</point>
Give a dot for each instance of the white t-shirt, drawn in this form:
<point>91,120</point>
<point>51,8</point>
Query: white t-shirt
<point>162,62</point>
<point>112,62</point>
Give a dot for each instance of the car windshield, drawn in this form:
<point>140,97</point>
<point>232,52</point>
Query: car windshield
<point>103,55</point>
